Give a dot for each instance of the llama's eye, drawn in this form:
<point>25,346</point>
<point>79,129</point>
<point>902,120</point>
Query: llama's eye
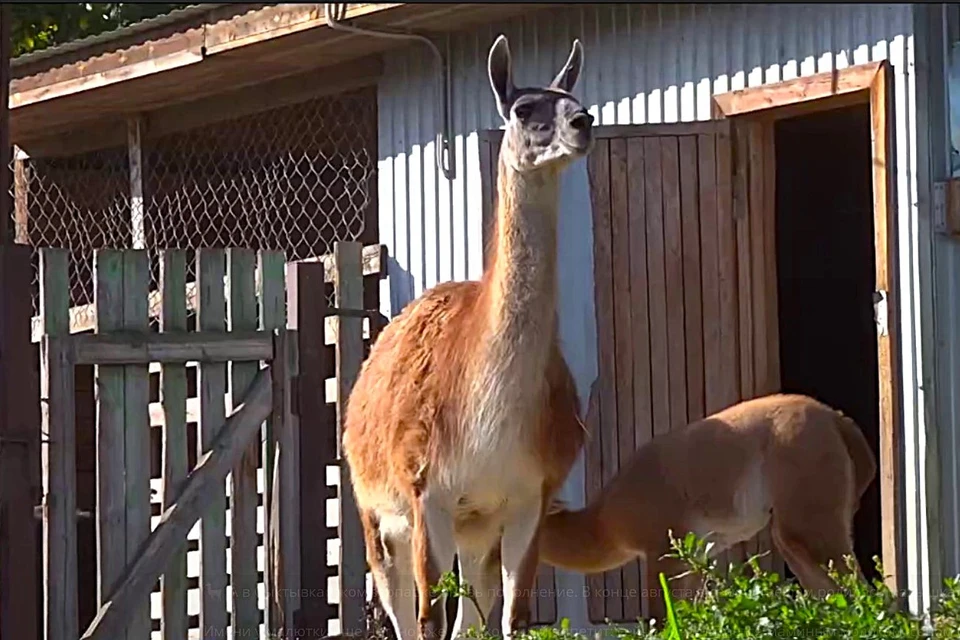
<point>523,110</point>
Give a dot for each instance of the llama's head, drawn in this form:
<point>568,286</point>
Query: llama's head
<point>545,127</point>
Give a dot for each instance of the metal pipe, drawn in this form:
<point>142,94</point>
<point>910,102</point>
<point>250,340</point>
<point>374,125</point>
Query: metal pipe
<point>337,12</point>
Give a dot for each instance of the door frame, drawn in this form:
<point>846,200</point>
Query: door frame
<point>866,84</point>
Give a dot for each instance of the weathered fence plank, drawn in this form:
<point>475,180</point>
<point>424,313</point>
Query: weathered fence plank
<point>273,316</point>
<point>242,316</point>
<point>348,295</point>
<point>136,428</point>
<point>125,347</point>
<point>111,486</point>
<point>316,448</point>
<point>283,561</point>
<point>202,489</point>
<point>57,387</point>
<point>173,395</point>
<point>211,316</point>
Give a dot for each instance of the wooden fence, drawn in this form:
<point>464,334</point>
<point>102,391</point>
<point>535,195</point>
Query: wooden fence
<point>247,312</point>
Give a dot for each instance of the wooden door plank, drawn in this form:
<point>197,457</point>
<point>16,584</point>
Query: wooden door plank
<point>882,112</point>
<point>728,280</point>
<point>741,201</point>
<point>710,272</point>
<point>598,166</point>
<point>692,288</point>
<point>604,273</point>
<point>656,282</point>
<point>624,335</point>
<point>673,269</point>
<point>635,606</point>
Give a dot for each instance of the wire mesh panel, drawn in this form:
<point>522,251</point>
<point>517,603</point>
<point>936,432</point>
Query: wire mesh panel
<point>296,178</point>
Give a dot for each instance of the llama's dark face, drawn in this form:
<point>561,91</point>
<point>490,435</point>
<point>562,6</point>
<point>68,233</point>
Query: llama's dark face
<point>545,127</point>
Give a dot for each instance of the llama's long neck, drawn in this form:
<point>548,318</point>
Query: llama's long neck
<point>522,281</point>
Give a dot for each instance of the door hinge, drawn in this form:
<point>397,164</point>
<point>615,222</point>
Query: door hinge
<point>880,312</point>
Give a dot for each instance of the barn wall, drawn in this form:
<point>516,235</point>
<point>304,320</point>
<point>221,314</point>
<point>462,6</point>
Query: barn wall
<point>662,63</point>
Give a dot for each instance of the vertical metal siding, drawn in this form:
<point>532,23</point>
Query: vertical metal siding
<point>653,64</point>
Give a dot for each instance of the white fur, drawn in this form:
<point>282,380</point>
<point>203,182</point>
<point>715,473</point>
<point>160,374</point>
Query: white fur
<point>517,536</point>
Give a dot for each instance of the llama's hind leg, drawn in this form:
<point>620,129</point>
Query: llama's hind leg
<point>388,554</point>
<point>434,548</point>
<point>807,552</point>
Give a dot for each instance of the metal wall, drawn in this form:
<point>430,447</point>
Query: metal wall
<point>662,63</point>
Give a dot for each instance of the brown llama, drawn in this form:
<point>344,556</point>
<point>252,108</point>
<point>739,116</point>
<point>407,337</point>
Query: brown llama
<point>464,421</point>
<point>782,457</point>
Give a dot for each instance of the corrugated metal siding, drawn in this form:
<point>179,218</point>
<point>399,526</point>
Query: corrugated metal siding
<point>652,64</point>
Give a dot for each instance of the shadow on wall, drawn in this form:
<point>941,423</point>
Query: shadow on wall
<point>401,287</point>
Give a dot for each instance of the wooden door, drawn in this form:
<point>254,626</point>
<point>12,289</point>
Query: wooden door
<point>685,291</point>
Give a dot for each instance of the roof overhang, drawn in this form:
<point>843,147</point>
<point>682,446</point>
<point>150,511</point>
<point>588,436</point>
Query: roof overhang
<point>211,52</point>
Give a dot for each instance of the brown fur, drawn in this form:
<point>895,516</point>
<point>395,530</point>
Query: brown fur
<point>464,418</point>
<point>785,458</point>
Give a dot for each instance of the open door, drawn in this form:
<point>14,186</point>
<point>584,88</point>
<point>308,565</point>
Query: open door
<point>681,307</point>
<point>770,124</point>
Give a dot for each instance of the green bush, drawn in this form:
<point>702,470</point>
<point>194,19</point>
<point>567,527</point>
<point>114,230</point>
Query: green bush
<point>746,602</point>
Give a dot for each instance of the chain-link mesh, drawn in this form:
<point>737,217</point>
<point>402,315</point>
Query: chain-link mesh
<point>296,178</point>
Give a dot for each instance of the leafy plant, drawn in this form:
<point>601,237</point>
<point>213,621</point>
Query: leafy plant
<point>745,602</point>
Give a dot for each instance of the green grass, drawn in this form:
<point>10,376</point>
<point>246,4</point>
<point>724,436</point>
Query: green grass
<point>746,602</point>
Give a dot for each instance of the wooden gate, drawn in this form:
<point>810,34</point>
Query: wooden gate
<point>685,291</point>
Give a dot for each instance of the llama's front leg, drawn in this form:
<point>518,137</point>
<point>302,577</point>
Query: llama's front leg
<point>519,557</point>
<point>434,548</point>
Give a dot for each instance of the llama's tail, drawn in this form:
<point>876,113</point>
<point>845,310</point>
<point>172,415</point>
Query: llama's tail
<point>864,462</point>
<point>580,541</point>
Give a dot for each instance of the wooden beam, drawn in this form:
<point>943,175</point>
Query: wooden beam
<point>197,346</point>
<point>204,484</point>
<point>808,88</point>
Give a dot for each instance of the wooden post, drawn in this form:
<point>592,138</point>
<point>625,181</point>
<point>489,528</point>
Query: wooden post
<point>21,193</point>
<point>279,509</point>
<point>348,295</point>
<point>135,154</point>
<point>57,388</point>
<point>19,446</point>
<point>317,447</point>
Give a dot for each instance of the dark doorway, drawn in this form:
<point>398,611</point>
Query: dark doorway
<point>826,278</point>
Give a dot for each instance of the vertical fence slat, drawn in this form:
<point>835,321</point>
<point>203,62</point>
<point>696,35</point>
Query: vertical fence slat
<point>57,388</point>
<point>273,317</point>
<point>136,397</point>
<point>315,446</point>
<point>242,315</point>
<point>111,486</point>
<point>173,395</point>
<point>348,294</point>
<point>211,316</point>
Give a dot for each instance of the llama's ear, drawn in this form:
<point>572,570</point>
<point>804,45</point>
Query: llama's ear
<point>570,73</point>
<point>499,69</point>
